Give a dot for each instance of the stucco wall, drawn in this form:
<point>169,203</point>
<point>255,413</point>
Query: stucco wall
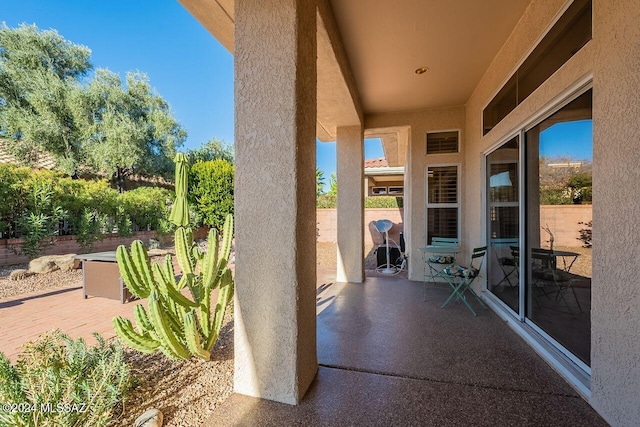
<point>615,315</point>
<point>327,224</point>
<point>421,122</point>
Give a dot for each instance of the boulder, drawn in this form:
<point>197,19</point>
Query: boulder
<point>49,263</point>
<point>43,265</point>
<point>151,418</point>
<point>20,274</point>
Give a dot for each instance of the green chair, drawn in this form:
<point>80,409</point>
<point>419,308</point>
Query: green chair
<point>440,254</point>
<point>460,279</point>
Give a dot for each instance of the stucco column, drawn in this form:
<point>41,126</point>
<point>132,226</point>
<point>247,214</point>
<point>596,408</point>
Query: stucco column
<point>275,108</point>
<point>350,170</point>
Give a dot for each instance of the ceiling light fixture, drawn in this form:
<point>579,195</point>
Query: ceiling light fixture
<point>422,70</point>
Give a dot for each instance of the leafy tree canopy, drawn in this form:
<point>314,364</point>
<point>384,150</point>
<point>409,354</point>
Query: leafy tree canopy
<point>128,128</point>
<point>212,150</point>
<point>39,72</point>
<point>48,105</point>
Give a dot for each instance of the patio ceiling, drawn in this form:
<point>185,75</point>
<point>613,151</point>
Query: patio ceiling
<point>383,43</point>
<point>387,41</point>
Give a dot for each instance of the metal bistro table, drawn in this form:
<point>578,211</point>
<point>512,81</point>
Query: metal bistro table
<point>573,256</point>
<point>101,277</point>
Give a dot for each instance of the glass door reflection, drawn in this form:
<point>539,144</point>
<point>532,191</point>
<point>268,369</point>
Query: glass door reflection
<point>504,225</point>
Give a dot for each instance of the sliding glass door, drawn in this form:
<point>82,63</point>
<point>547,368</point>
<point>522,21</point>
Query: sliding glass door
<point>545,278</point>
<point>503,218</point>
<point>558,225</point>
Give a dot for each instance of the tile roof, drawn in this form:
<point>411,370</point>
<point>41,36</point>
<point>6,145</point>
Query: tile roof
<point>376,163</point>
<point>42,161</point>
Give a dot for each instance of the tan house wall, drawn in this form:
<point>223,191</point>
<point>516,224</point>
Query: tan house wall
<point>327,225</point>
<point>421,122</point>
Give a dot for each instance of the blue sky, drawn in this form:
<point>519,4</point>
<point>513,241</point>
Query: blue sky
<point>568,139</point>
<point>185,64</point>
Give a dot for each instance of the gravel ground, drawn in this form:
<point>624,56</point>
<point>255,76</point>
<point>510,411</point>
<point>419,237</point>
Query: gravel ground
<point>185,391</point>
<point>38,282</point>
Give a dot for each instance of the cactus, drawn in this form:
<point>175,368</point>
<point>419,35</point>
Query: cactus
<point>178,326</point>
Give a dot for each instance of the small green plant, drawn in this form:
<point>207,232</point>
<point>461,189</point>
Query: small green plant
<point>40,225</point>
<point>61,382</point>
<point>176,325</point>
<point>91,228</point>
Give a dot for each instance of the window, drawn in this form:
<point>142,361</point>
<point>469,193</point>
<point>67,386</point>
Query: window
<point>379,191</point>
<point>442,201</point>
<point>442,142</point>
<point>396,191</point>
<point>568,36</point>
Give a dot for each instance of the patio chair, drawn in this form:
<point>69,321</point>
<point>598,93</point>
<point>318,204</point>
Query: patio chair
<point>507,263</point>
<point>460,279</point>
<point>435,261</point>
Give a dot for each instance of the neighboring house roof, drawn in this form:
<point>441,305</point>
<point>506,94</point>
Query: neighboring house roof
<point>41,161</point>
<point>376,163</point>
<point>380,168</point>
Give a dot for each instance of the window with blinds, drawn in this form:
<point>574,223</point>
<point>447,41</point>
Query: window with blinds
<point>442,142</point>
<point>442,202</point>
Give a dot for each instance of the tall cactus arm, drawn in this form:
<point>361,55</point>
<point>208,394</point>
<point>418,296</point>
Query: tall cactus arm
<point>130,337</point>
<point>130,274</point>
<point>161,325</point>
<point>210,260</point>
<point>143,324</point>
<point>224,297</point>
<point>169,291</point>
<point>183,251</point>
<point>142,263</point>
<point>205,314</point>
<point>193,337</point>
<point>227,236</point>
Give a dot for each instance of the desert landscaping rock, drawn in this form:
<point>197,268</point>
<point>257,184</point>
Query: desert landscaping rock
<point>43,265</point>
<point>20,274</point>
<point>47,264</point>
<point>36,282</point>
<point>151,418</point>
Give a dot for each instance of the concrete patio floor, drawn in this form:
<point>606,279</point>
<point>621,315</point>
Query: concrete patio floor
<point>387,357</point>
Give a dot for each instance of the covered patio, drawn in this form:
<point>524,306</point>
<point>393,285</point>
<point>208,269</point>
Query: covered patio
<point>389,358</point>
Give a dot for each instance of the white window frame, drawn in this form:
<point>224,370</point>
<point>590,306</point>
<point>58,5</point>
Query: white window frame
<point>457,205</point>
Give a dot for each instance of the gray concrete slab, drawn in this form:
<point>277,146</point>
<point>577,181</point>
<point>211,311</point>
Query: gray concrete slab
<point>343,398</point>
<point>388,357</point>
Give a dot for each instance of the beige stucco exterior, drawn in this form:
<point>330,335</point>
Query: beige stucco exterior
<point>276,116</point>
<point>275,331</point>
<point>350,156</point>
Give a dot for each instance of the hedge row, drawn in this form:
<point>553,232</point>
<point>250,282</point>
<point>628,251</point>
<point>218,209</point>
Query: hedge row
<point>76,206</point>
<point>330,202</point>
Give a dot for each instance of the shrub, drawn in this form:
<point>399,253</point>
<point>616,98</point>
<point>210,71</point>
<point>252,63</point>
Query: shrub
<point>329,201</point>
<point>147,207</point>
<point>56,372</point>
<point>41,223</point>
<point>211,191</point>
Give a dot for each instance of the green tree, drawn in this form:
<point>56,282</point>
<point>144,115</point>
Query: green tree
<point>319,182</point>
<point>39,72</point>
<point>129,129</point>
<point>333,184</point>
<point>211,191</point>
<point>212,150</point>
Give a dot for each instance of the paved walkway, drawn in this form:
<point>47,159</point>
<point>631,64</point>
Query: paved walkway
<point>387,357</point>
<point>24,317</point>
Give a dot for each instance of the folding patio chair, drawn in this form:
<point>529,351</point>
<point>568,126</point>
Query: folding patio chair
<point>460,279</point>
<point>435,259</point>
<point>507,263</point>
